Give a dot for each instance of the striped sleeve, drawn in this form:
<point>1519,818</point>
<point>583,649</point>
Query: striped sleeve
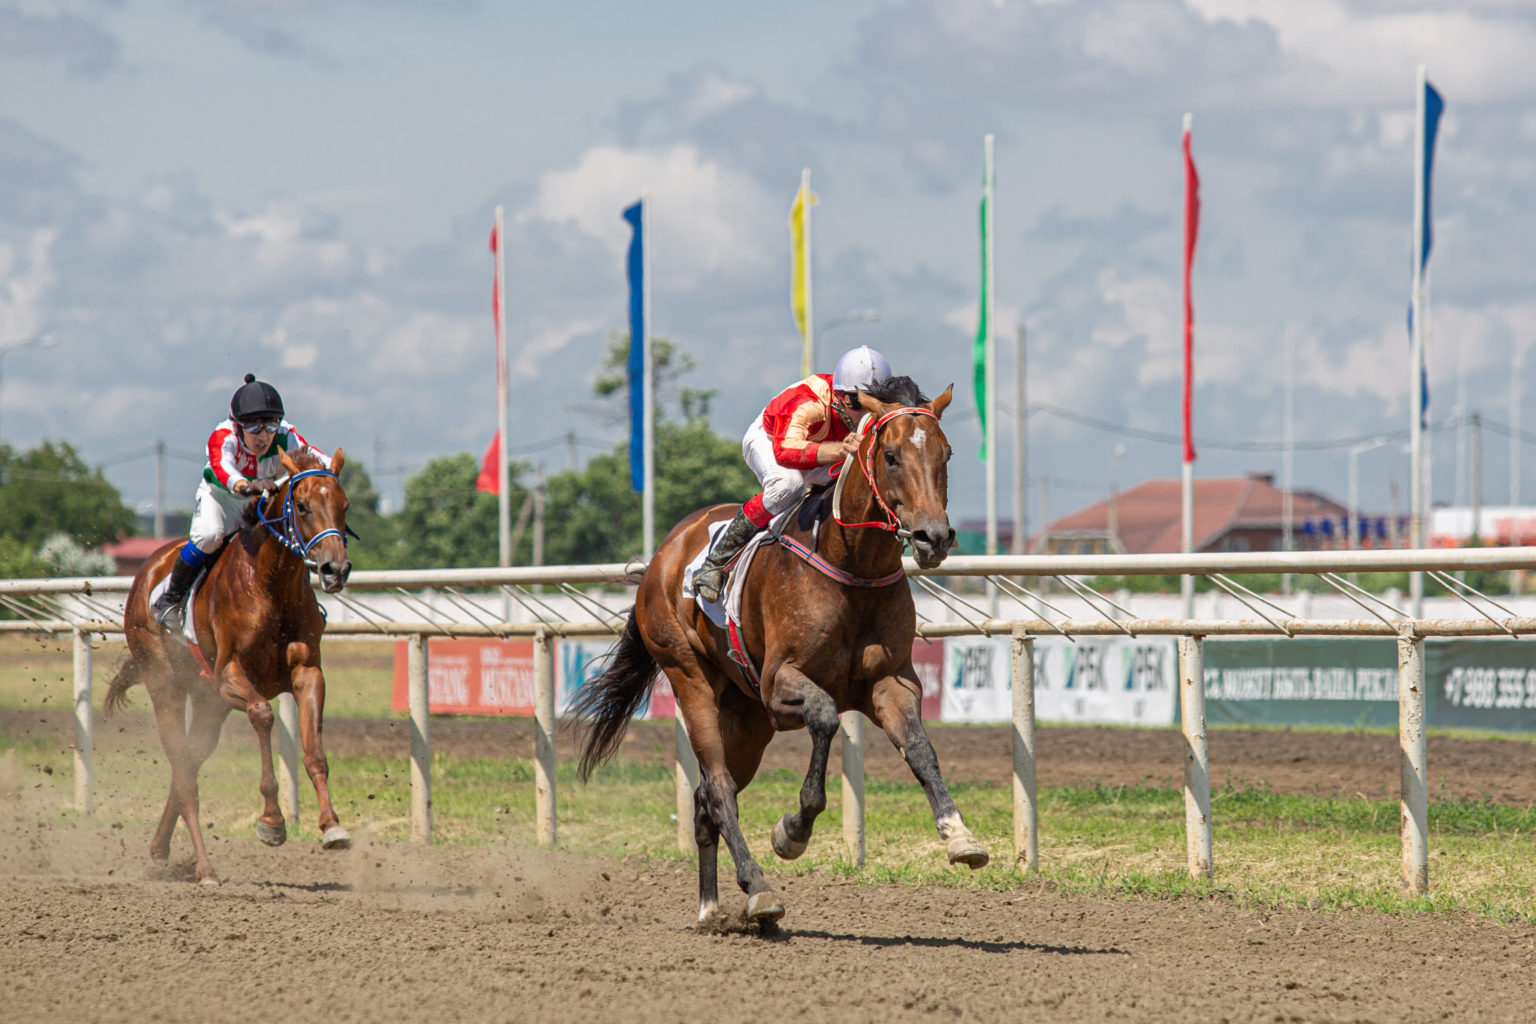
<point>223,467</point>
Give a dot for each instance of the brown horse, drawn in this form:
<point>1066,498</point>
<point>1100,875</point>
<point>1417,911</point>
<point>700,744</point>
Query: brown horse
<point>258,627</point>
<point>823,646</point>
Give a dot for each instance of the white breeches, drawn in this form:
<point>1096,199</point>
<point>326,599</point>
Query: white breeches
<point>782,485</point>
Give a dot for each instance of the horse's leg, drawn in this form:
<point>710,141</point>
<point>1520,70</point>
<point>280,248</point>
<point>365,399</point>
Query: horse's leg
<point>895,703</point>
<point>712,735</point>
<point>235,687</point>
<point>796,695</point>
<point>309,696</point>
<point>745,732</point>
<point>186,754</point>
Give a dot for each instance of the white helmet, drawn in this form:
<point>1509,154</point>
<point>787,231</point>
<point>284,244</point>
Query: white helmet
<point>858,368</point>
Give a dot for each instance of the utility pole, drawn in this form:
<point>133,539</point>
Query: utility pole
<point>160,488</point>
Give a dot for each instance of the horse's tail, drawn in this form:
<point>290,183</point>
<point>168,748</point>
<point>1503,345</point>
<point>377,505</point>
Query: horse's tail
<point>610,699</point>
<point>117,692</point>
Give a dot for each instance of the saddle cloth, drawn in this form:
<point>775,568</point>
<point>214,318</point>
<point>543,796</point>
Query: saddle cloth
<point>729,605</point>
<point>189,631</point>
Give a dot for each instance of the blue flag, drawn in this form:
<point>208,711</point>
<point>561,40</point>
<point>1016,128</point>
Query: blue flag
<point>1434,106</point>
<point>636,267</point>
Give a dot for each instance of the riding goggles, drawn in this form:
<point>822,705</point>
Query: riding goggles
<point>268,427</point>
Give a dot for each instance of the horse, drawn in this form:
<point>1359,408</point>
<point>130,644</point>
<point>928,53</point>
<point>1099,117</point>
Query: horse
<point>258,629</point>
<point>827,640</point>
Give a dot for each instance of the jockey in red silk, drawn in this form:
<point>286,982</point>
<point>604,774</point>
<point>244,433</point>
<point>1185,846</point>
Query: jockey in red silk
<point>804,431</point>
<point>243,457</point>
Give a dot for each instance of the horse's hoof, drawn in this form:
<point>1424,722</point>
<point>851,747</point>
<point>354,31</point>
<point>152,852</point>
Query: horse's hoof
<point>967,850</point>
<point>272,835</point>
<point>211,880</point>
<point>764,906</point>
<point>336,838</point>
<point>785,847</point>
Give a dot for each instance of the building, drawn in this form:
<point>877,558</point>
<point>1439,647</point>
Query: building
<point>1230,514</point>
<point>132,552</point>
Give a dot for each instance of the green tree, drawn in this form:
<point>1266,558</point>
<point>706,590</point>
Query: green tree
<point>377,544</point>
<point>669,364</point>
<point>445,522</point>
<point>50,490</point>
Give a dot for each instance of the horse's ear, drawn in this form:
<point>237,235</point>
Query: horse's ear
<point>337,461</point>
<point>938,405</point>
<point>874,406</point>
<point>288,463</point>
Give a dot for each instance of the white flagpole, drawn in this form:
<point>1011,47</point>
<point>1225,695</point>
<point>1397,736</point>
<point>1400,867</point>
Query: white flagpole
<point>1187,489</point>
<point>1416,370</point>
<point>503,411</point>
<point>808,349</point>
<point>991,370</point>
<point>648,444</point>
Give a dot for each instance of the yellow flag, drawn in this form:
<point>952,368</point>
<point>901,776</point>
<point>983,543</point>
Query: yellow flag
<point>800,257</point>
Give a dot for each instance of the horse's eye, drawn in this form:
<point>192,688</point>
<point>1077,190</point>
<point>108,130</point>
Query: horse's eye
<point>302,507</point>
<point>890,457</point>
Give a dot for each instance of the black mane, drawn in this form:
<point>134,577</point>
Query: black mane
<point>897,390</point>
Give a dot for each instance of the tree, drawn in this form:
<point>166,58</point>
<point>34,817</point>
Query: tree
<point>377,544</point>
<point>445,522</point>
<point>50,490</point>
<point>669,364</point>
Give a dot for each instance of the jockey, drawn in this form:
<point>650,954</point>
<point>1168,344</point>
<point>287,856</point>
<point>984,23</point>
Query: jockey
<point>804,431</point>
<point>243,458</point>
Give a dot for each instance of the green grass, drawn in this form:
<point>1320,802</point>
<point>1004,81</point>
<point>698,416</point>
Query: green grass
<point>1270,849</point>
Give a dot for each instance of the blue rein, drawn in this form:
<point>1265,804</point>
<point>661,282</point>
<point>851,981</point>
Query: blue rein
<point>290,537</point>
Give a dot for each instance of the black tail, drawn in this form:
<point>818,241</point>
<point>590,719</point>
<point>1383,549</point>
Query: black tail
<point>610,699</point>
<point>117,693</point>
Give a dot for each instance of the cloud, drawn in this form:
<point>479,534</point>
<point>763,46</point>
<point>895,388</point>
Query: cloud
<point>85,50</point>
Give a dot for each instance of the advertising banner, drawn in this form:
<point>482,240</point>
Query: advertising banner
<point>1302,681</point>
<point>1107,680</point>
<point>1481,684</point>
<point>470,677</point>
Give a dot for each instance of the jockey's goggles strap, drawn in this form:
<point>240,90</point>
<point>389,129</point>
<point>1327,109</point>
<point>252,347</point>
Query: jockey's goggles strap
<point>867,465</point>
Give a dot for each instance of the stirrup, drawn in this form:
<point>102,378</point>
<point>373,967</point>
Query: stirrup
<point>172,618</point>
<point>712,577</point>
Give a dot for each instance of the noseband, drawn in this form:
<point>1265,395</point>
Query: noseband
<point>867,465</point>
<point>289,536</point>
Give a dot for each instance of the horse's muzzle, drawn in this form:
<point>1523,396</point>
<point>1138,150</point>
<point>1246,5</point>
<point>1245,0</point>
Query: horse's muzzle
<point>333,575</point>
<point>931,543</point>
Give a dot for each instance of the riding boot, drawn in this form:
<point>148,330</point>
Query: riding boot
<point>711,575</point>
<point>167,609</point>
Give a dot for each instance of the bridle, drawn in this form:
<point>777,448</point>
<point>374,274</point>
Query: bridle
<point>867,465</point>
<point>290,537</point>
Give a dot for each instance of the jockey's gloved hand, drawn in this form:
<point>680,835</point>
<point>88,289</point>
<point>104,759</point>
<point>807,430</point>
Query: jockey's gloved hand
<point>264,485</point>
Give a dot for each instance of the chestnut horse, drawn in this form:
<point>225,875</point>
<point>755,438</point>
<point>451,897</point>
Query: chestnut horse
<point>822,645</point>
<point>258,627</point>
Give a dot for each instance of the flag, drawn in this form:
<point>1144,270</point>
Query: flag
<point>489,479</point>
<point>800,257</point>
<point>635,215</point>
<point>1424,162</point>
<point>501,340</point>
<point>984,305</point>
<point>1191,231</point>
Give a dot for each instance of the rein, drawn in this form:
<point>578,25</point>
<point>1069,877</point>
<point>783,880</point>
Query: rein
<point>867,465</point>
<point>290,537</point>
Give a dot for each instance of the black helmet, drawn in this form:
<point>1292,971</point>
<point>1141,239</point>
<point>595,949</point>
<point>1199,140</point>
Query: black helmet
<point>255,400</point>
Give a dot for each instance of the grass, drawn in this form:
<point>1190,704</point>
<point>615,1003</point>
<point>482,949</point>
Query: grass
<point>1271,850</point>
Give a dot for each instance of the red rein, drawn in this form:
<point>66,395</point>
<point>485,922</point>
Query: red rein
<point>867,465</point>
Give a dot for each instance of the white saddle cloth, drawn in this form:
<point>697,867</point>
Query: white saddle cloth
<point>189,630</point>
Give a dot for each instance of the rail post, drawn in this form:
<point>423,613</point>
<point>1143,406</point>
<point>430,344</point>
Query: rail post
<point>85,745</point>
<point>1197,759</point>
<point>686,771</point>
<point>421,741</point>
<point>544,733</point>
<point>1411,760</point>
<point>1026,810</point>
<point>852,727</point>
<point>288,755</point>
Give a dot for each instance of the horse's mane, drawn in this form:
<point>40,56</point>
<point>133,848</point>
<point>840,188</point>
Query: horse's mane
<point>304,458</point>
<point>898,390</point>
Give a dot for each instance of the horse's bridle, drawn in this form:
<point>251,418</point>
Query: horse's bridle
<point>867,465</point>
<point>290,537</point>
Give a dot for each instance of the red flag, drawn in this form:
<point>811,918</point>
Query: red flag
<point>1191,229</point>
<point>501,358</point>
<point>490,472</point>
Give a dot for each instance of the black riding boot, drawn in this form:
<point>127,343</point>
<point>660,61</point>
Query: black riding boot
<point>711,575</point>
<point>167,610</point>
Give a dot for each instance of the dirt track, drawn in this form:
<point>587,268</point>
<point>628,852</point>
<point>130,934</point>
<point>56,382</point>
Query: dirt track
<point>383,933</point>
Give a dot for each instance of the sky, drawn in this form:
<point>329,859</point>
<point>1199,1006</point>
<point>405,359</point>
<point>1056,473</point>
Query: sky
<point>303,189</point>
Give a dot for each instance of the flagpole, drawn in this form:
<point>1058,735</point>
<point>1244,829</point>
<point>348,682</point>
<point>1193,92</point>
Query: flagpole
<point>648,450</point>
<point>1416,369</point>
<point>503,411</point>
<point>808,347</point>
<point>991,371</point>
<point>1020,442</point>
<point>1187,491</point>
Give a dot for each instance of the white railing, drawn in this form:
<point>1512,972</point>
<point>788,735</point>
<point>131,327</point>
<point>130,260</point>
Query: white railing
<point>436,598</point>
